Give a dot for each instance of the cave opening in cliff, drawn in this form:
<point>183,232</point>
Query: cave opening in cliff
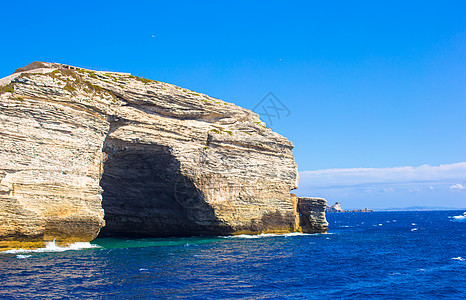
<point>145,194</point>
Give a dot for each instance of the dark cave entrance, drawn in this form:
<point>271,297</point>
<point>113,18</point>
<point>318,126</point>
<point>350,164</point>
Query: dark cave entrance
<point>146,195</point>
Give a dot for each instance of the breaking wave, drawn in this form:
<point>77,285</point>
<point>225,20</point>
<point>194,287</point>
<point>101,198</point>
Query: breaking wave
<point>460,218</point>
<point>266,235</point>
<point>52,247</point>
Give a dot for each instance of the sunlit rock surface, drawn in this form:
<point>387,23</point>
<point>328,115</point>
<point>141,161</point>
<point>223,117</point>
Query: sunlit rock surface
<point>86,151</point>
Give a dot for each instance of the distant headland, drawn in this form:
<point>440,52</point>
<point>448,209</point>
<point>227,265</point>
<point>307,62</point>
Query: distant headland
<point>336,208</point>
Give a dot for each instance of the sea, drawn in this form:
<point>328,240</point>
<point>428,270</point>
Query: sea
<point>378,255</point>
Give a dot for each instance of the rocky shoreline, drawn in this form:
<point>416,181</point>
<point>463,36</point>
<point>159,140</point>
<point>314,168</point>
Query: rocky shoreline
<point>87,153</point>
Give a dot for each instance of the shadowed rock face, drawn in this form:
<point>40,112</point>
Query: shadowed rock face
<point>145,194</point>
<point>312,214</point>
<point>159,160</point>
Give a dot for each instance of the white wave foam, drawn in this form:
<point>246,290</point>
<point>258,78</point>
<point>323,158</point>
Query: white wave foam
<point>297,234</point>
<point>52,247</point>
<point>20,256</point>
<point>241,236</point>
<point>459,258</point>
<point>265,235</point>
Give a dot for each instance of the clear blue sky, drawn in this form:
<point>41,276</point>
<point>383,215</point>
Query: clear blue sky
<point>368,84</point>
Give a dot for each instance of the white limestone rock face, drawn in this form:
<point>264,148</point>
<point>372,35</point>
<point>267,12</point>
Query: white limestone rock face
<point>334,208</point>
<point>158,159</point>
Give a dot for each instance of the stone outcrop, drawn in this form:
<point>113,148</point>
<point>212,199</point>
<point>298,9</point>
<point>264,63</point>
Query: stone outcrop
<point>85,149</point>
<point>334,208</point>
<point>312,214</point>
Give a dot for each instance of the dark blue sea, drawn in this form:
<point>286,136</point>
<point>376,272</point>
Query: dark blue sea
<point>379,255</point>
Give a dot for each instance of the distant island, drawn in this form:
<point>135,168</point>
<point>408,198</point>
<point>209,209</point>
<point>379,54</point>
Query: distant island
<point>336,208</point>
<point>419,208</point>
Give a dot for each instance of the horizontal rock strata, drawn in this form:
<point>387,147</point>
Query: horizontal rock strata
<point>85,149</point>
<point>312,214</point>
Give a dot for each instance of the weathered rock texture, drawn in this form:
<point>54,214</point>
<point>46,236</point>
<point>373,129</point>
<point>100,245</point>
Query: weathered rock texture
<point>160,160</point>
<point>312,214</point>
<point>334,208</point>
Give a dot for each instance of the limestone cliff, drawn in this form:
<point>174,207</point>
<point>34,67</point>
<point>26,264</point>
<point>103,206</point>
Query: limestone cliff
<point>158,159</point>
<point>312,214</point>
<point>334,208</point>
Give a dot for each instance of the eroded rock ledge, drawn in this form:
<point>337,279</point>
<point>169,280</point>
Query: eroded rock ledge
<point>85,149</point>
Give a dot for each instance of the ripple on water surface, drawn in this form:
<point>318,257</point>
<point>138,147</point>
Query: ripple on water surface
<point>357,259</point>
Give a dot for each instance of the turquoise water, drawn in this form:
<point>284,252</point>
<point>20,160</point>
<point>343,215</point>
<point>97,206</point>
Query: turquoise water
<point>386,255</point>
